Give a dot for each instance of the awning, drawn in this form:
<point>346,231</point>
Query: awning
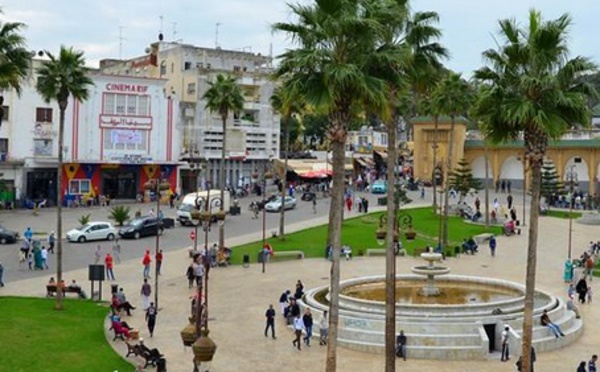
<point>316,174</point>
<point>383,154</point>
<point>361,161</point>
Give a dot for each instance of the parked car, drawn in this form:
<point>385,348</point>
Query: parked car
<point>379,187</point>
<point>8,236</point>
<point>141,226</point>
<point>92,231</point>
<point>275,205</point>
<point>261,204</point>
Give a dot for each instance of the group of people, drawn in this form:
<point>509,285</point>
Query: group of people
<point>34,253</point>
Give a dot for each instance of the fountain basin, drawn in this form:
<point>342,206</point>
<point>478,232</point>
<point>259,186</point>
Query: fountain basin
<point>430,270</point>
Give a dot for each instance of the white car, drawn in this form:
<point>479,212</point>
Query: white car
<point>275,205</point>
<point>92,231</point>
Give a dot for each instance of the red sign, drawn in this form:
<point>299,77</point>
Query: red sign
<point>192,235</point>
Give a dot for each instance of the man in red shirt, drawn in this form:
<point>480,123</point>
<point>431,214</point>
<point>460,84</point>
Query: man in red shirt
<point>108,262</point>
<point>159,259</point>
<point>146,262</point>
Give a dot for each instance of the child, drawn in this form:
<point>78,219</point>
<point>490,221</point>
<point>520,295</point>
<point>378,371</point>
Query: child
<point>589,294</point>
<point>30,261</point>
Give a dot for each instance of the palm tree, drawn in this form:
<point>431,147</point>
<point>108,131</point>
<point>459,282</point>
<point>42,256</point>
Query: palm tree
<point>223,96</point>
<point>531,87</point>
<point>287,102</point>
<point>15,59</point>
<point>452,98</point>
<point>329,68</point>
<point>59,78</point>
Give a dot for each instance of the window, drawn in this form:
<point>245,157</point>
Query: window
<point>79,186</point>
<point>187,66</point>
<point>43,115</point>
<point>191,88</point>
<point>163,68</point>
<point>125,139</point>
<point>126,104</point>
<point>42,147</point>
<point>3,145</point>
<point>5,111</point>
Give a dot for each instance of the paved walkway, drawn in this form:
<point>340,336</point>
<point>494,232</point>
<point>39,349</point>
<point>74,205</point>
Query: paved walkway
<point>239,297</point>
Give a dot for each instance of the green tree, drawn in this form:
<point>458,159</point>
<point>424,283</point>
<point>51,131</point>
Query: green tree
<point>452,97</point>
<point>59,78</point>
<point>120,214</point>
<point>335,46</point>
<point>315,128</point>
<point>223,97</point>
<point>550,183</point>
<point>531,88</point>
<point>15,59</point>
<point>462,180</point>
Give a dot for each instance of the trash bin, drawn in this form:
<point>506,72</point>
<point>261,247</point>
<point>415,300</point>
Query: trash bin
<point>114,288</point>
<point>246,260</point>
<point>161,365</point>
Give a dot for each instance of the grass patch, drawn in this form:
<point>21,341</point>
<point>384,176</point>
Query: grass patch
<point>35,337</point>
<point>563,214</point>
<point>359,233</point>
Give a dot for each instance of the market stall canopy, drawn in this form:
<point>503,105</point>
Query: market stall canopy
<point>316,174</point>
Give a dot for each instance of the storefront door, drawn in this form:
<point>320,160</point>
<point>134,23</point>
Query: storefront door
<point>119,184</point>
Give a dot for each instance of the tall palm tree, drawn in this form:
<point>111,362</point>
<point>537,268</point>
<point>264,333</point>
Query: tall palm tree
<point>59,78</point>
<point>15,59</point>
<point>223,96</point>
<point>531,87</point>
<point>453,96</point>
<point>334,40</point>
<point>287,102</point>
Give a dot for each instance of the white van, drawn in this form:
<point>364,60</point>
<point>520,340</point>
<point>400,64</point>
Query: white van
<point>188,203</point>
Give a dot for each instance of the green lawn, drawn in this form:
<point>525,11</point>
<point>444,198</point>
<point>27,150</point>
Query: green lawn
<point>564,213</point>
<point>35,337</point>
<point>359,233</point>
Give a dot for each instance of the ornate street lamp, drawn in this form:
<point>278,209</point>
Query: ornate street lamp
<point>403,222</point>
<point>267,175</point>
<point>157,186</point>
<point>572,179</point>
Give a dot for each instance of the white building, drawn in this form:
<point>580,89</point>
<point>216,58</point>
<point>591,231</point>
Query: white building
<point>125,134</point>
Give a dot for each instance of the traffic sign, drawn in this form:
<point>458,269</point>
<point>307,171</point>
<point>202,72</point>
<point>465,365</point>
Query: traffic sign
<point>192,235</point>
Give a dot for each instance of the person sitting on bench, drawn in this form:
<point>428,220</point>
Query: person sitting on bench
<point>120,329</point>
<point>51,283</point>
<point>154,354</point>
<point>120,302</point>
<point>75,287</point>
<point>116,318</point>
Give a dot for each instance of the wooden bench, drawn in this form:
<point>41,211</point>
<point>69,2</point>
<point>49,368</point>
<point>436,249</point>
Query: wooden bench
<point>287,255</point>
<point>52,289</point>
<point>376,252</point>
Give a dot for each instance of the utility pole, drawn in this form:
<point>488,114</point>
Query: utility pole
<point>217,25</point>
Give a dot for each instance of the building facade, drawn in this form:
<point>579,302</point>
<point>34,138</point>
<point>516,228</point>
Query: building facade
<point>125,134</point>
<point>253,134</point>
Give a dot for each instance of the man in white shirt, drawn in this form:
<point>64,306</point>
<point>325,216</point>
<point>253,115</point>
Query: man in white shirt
<point>505,335</point>
<point>298,328</point>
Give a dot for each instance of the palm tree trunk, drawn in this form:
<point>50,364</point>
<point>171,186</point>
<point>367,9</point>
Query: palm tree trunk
<point>433,169</point>
<point>534,211</point>
<point>335,226</point>
<point>390,258</point>
<point>222,182</point>
<point>286,126</point>
<point>446,180</point>
<point>61,140</point>
<point>487,191</point>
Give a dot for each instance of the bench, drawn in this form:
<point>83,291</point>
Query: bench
<point>52,289</point>
<point>482,238</point>
<point>376,252</point>
<point>287,255</point>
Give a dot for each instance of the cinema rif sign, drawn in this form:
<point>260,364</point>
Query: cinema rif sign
<point>126,88</point>
<point>109,121</point>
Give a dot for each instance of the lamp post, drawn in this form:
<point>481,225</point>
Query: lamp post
<point>266,176</point>
<point>196,163</point>
<point>157,186</point>
<point>572,179</point>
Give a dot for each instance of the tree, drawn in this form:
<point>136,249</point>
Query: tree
<point>223,97</point>
<point>59,78</point>
<point>315,128</point>
<point>531,87</point>
<point>462,180</point>
<point>15,59</point>
<point>452,97</point>
<point>335,46</point>
<point>120,214</point>
<point>550,185</point>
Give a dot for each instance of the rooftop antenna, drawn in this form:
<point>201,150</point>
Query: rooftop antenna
<point>161,23</point>
<point>217,34</point>
<point>121,39</point>
<point>174,24</point>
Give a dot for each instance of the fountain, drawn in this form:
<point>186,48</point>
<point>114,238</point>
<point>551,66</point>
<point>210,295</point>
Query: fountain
<point>431,271</point>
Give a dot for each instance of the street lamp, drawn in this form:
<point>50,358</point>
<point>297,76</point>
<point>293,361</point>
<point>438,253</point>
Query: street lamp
<point>267,175</point>
<point>157,186</point>
<point>403,222</point>
<point>572,179</point>
<point>196,163</point>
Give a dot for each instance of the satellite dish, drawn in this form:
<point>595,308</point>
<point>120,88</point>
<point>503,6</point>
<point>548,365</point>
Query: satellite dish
<point>161,37</point>
<point>147,50</point>
<point>41,53</point>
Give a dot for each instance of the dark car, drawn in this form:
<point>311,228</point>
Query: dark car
<point>142,226</point>
<point>8,236</point>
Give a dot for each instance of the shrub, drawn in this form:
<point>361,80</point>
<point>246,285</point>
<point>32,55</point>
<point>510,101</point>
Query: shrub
<point>119,214</point>
<point>84,219</point>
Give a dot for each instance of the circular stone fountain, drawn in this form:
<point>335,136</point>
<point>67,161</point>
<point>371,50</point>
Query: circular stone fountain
<point>430,271</point>
<point>450,317</point>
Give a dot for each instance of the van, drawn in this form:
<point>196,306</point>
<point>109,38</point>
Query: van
<point>188,203</point>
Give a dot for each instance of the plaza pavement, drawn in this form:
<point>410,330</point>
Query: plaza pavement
<point>239,297</point>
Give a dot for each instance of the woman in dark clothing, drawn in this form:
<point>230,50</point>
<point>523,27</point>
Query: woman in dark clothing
<point>582,289</point>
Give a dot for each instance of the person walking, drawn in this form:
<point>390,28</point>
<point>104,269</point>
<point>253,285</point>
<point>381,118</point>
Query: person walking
<point>189,273</point>
<point>307,319</point>
<point>581,367</point>
<point>51,242</point>
<point>503,186</point>
<point>270,315</point>
<point>146,261</point>
<point>1,274</point>
<point>284,300</point>
<point>145,293</point>
<point>159,260</point>
<point>582,288</point>
<point>298,328</point>
<point>116,249</point>
<point>477,203</point>
<point>504,356</point>
<point>508,186</point>
<point>108,262</point>
<point>592,364</point>
<point>493,246</point>
<point>497,186</point>
<point>151,318</point>
<point>198,271</point>
<point>97,254</point>
<point>401,345</point>
<point>314,205</point>
<point>44,254</point>
<point>323,328</point>
<point>28,234</point>
<point>509,200</point>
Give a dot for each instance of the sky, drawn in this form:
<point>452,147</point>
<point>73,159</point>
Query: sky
<point>124,28</point>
